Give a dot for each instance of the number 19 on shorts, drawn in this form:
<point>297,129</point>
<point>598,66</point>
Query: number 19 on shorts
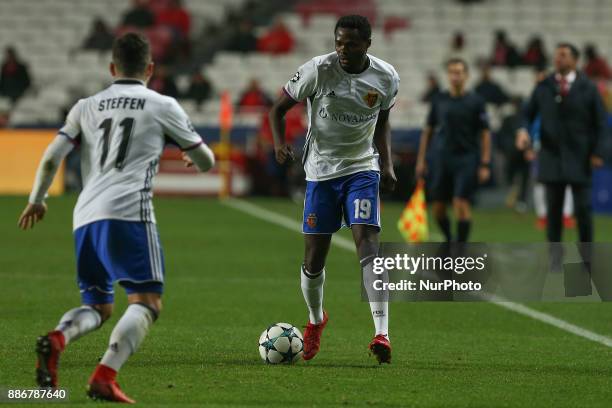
<point>363,209</point>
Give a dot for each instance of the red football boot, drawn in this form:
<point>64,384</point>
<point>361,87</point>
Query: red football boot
<point>381,348</point>
<point>312,337</point>
<point>569,222</point>
<point>102,386</point>
<point>48,350</point>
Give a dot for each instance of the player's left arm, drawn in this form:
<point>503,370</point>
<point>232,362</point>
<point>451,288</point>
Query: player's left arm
<point>484,169</point>
<point>382,141</point>
<point>36,208</point>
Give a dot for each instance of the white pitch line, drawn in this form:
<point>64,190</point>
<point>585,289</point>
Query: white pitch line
<point>556,322</point>
<point>290,224</point>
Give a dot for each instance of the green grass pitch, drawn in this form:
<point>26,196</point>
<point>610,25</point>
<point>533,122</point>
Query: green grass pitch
<point>229,275</point>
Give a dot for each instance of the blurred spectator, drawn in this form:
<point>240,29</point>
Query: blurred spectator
<point>278,40</point>
<point>14,77</point>
<point>457,48</point>
<point>535,55</point>
<point>139,15</point>
<point>100,38</point>
<point>254,98</point>
<point>243,40</point>
<point>163,83</point>
<point>504,52</point>
<point>596,66</point>
<point>200,89</point>
<point>5,112</point>
<point>432,90</point>
<point>176,17</point>
<point>488,89</point>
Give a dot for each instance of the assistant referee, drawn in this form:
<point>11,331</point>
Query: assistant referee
<point>462,147</point>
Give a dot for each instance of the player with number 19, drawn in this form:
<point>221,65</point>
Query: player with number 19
<point>346,156</point>
<point>121,132</point>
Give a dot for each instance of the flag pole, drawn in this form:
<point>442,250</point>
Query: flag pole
<point>225,163</point>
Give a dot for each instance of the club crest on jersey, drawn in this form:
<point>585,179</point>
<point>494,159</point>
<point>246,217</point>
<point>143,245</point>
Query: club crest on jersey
<point>311,220</point>
<point>296,77</point>
<point>371,98</point>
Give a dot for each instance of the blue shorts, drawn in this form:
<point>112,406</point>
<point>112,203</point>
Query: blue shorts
<point>109,251</point>
<point>352,199</point>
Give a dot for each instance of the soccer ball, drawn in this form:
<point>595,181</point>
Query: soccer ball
<point>281,343</point>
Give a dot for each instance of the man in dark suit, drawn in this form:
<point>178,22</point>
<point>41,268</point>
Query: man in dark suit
<point>573,126</point>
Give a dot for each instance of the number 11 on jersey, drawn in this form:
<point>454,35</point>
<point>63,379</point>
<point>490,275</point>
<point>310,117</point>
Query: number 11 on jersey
<point>128,127</point>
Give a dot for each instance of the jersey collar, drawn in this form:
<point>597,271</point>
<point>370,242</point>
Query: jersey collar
<point>128,82</point>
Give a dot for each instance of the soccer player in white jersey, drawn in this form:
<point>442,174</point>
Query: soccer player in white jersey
<point>346,156</point>
<point>121,133</point>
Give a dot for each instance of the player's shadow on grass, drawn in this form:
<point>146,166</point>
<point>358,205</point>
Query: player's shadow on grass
<point>323,364</point>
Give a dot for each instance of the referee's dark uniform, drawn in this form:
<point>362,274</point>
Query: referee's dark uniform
<point>457,122</point>
<point>573,126</point>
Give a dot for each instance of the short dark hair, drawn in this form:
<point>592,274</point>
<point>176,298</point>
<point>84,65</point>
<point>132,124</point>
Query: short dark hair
<point>131,53</point>
<point>573,49</point>
<point>457,60</point>
<point>359,23</point>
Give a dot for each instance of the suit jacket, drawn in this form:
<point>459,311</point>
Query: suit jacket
<point>572,129</point>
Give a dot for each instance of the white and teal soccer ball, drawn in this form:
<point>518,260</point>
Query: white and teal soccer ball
<point>281,343</point>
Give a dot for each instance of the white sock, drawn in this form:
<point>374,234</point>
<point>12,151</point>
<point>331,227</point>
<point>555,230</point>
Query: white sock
<point>379,305</point>
<point>312,289</point>
<point>78,322</point>
<point>568,202</point>
<point>127,335</point>
<point>539,200</point>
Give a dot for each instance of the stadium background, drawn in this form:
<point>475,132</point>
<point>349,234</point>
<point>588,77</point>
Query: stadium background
<point>232,43</point>
<point>214,248</point>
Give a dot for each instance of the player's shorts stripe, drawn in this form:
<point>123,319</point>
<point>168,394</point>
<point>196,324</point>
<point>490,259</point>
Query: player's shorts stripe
<point>158,252</point>
<point>151,262</point>
<point>153,252</point>
<point>158,258</point>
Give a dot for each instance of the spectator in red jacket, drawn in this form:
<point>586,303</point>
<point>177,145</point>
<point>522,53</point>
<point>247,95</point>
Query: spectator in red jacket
<point>504,52</point>
<point>176,17</point>
<point>276,41</point>
<point>254,99</point>
<point>596,66</point>
<point>535,55</point>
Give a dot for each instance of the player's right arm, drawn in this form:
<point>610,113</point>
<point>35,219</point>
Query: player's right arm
<point>57,150</point>
<point>297,89</point>
<point>50,162</point>
<point>421,166</point>
<point>282,150</point>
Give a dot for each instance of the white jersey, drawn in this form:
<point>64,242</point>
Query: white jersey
<point>122,131</point>
<point>342,113</point>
